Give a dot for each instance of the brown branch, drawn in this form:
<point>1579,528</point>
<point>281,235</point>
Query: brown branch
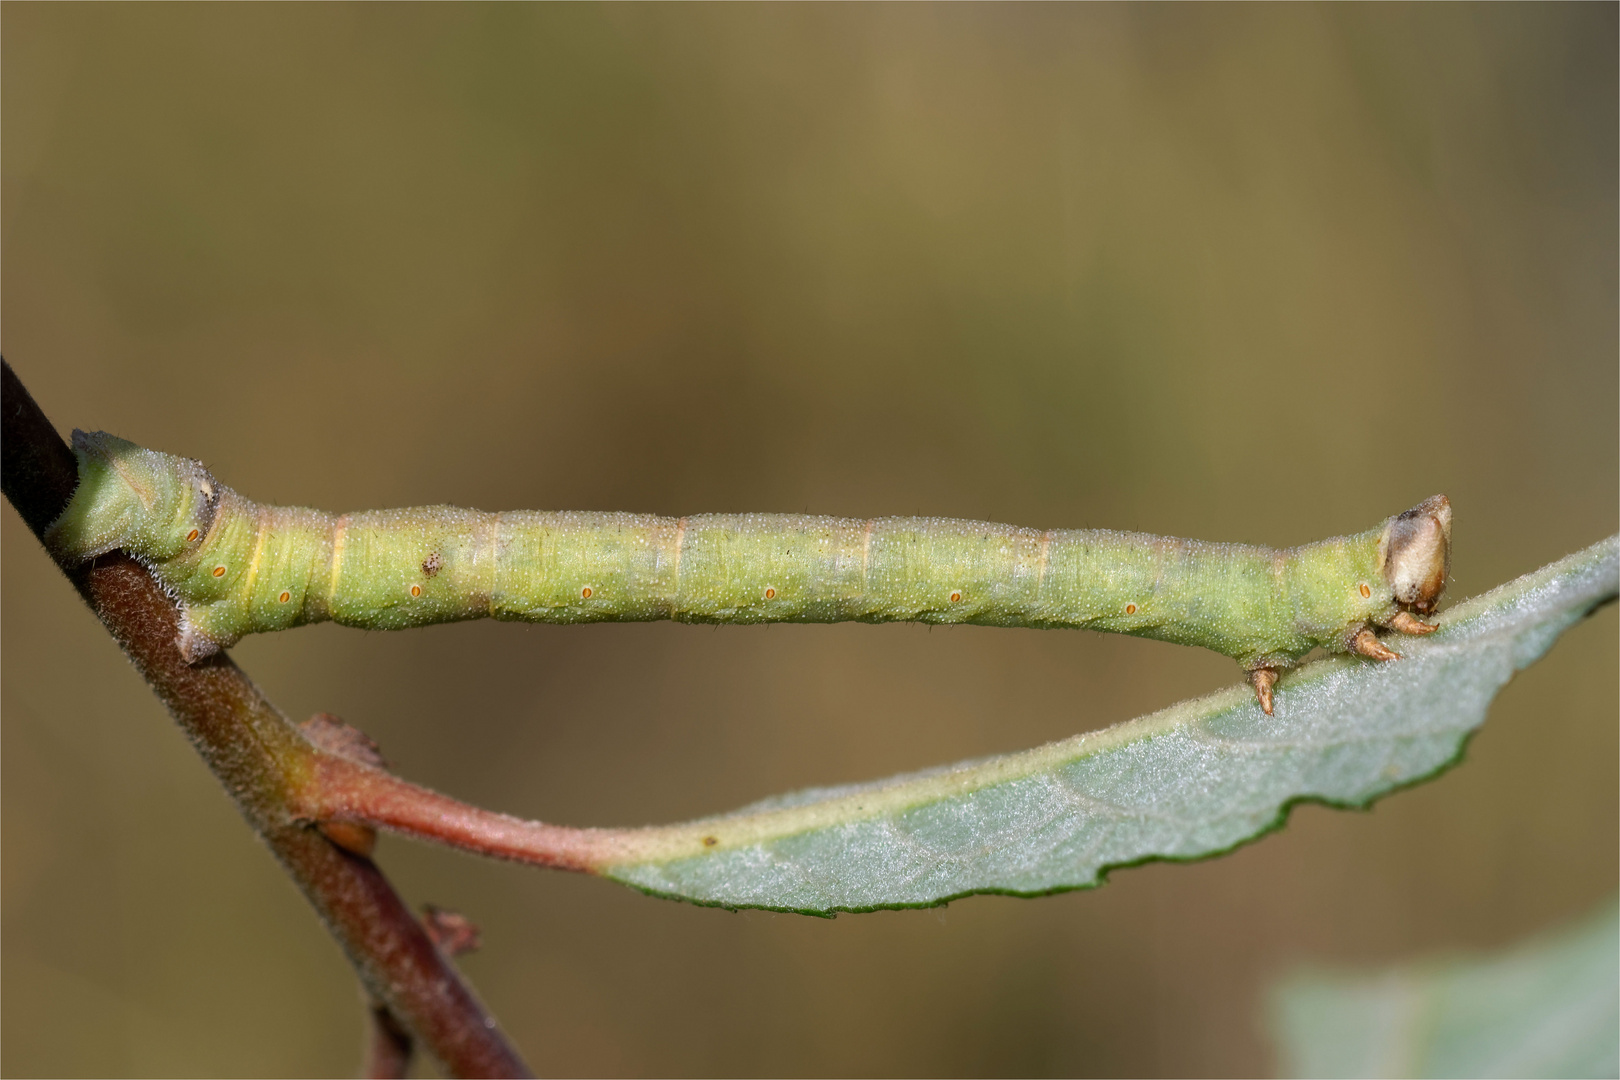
<point>262,761</point>
<point>388,1046</point>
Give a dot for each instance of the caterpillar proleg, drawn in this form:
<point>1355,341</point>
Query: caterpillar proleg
<point>237,567</point>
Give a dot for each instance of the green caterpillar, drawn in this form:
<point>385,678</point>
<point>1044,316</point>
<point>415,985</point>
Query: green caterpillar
<point>237,567</point>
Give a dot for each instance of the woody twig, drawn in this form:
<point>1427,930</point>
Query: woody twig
<point>258,755</point>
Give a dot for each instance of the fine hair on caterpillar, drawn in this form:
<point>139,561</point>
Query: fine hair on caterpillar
<point>237,567</point>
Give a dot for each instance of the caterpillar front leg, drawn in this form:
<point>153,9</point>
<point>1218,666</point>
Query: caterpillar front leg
<point>1263,679</point>
<point>1406,623</point>
<point>1362,641</point>
<point>1365,643</point>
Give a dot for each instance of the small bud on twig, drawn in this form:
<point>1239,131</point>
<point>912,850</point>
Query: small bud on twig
<point>451,931</point>
<point>336,737</point>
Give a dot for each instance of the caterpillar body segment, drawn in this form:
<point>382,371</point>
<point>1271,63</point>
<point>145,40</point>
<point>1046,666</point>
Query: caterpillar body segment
<point>237,567</point>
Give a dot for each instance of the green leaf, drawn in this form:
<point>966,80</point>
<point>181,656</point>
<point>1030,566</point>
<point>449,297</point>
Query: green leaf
<point>1191,781</point>
<point>1550,1007</point>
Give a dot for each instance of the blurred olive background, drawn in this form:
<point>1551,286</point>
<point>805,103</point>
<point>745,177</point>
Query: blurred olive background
<point>1240,273</point>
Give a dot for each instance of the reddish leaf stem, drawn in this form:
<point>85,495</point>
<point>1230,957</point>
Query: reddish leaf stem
<point>338,789</point>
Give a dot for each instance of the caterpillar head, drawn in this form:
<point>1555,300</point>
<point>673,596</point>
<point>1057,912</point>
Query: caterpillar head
<point>1415,554</point>
<point>150,504</point>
